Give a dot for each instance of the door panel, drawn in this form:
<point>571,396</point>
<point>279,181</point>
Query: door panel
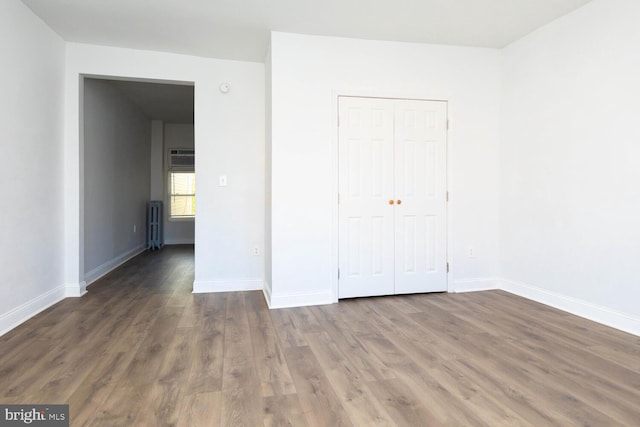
<point>420,184</point>
<point>365,187</point>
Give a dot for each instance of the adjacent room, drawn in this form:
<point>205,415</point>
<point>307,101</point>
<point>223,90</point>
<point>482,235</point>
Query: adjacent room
<point>137,142</point>
<point>407,214</point>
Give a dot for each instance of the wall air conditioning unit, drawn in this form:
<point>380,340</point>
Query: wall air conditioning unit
<point>181,159</point>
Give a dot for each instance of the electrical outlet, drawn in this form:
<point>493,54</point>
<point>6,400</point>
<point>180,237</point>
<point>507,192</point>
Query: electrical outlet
<point>134,228</point>
<point>256,251</point>
<point>470,252</point>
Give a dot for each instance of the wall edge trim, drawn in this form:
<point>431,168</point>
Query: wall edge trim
<point>474,285</point>
<point>232,285</point>
<point>20,314</point>
<point>266,291</point>
<point>115,262</point>
<point>597,313</point>
<point>300,299</point>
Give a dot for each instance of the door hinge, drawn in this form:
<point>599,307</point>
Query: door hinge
<point>447,196</point>
<point>338,274</point>
<point>447,267</point>
<point>338,121</point>
<point>338,198</point>
<point>447,124</point>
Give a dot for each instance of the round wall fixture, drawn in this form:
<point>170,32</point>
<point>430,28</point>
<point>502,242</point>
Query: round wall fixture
<point>225,87</point>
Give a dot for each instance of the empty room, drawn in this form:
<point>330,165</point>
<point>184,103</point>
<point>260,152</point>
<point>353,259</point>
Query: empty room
<point>417,213</point>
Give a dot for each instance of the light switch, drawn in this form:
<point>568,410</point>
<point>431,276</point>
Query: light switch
<point>223,180</point>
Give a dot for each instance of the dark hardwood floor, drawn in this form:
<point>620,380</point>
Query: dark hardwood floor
<point>140,350</point>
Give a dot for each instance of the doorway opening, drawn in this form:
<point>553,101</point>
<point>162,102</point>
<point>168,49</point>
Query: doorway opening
<point>128,131</point>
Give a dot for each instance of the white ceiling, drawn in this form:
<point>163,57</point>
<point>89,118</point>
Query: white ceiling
<point>239,29</point>
<point>166,102</point>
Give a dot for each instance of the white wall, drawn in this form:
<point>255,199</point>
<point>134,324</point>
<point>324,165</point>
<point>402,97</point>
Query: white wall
<point>176,135</point>
<point>307,74</point>
<point>560,189</point>
<point>229,139</point>
<point>570,232</point>
<point>268,173</point>
<point>31,116</point>
<point>117,140</point>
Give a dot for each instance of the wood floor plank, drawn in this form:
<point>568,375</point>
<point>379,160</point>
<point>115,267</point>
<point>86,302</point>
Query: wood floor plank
<point>72,374</point>
<point>201,410</point>
<point>362,407</point>
<point>527,407</point>
<point>138,328</point>
<point>399,400</point>
<point>287,328</point>
<point>441,401</point>
<point>269,360</point>
<point>121,408</point>
<point>164,396</point>
<point>368,364</point>
<point>587,335</point>
<point>581,387</point>
<point>208,352</point>
<point>581,380</point>
<point>540,337</point>
<point>283,410</point>
<point>97,387</point>
<point>149,357</point>
<point>241,394</point>
<point>140,349</point>
<point>15,378</point>
<point>470,345</point>
<point>319,401</point>
<point>427,356</point>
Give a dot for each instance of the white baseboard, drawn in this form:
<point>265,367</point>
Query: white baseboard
<point>112,264</point>
<point>299,299</point>
<point>203,286</point>
<point>178,242</point>
<point>266,290</point>
<point>75,290</point>
<point>474,285</point>
<point>597,313</point>
<point>26,311</point>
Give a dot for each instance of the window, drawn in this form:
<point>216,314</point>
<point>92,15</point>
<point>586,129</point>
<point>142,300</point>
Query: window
<point>182,194</point>
<point>182,183</point>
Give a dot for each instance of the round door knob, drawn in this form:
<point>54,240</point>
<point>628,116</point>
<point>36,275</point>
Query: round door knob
<point>391,202</point>
<point>399,201</point>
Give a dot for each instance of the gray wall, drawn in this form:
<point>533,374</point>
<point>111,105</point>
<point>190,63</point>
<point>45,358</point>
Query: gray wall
<point>117,137</point>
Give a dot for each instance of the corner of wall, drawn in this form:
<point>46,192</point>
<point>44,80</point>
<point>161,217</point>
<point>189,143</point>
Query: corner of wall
<point>74,290</point>
<point>266,290</point>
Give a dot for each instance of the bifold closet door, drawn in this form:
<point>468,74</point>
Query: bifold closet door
<point>392,190</point>
<point>366,236</point>
<point>420,191</point>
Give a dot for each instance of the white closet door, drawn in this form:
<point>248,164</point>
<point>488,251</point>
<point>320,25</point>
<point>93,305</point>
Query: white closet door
<point>420,192</point>
<point>366,236</point>
<point>392,190</point>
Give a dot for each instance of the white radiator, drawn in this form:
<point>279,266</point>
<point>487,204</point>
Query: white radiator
<point>155,236</point>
